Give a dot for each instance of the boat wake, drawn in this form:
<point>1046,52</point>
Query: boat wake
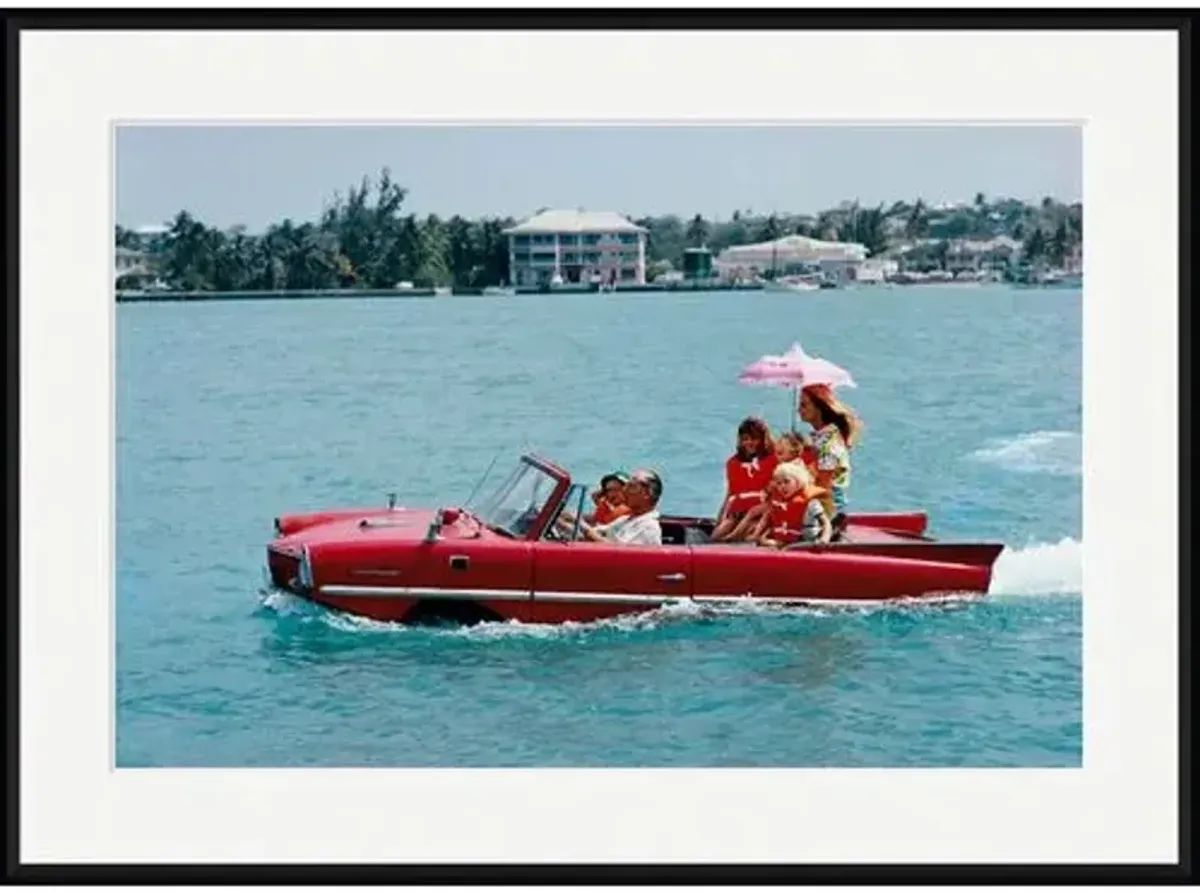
<point>675,613</point>
<point>1041,452</point>
<point>1040,569</point>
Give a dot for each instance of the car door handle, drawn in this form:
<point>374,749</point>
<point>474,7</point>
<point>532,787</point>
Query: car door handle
<point>459,562</point>
<point>672,577</point>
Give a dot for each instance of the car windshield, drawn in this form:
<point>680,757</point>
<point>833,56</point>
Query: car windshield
<point>516,504</point>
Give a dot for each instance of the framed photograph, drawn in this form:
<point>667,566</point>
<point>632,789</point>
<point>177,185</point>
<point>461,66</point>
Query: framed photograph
<point>583,446</point>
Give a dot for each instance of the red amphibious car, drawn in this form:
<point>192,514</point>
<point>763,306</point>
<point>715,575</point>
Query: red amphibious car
<point>504,559</point>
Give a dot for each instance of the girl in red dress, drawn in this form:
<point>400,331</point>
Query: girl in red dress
<point>747,473</point>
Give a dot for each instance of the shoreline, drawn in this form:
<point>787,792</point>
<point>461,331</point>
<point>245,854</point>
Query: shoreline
<point>410,293</point>
<point>123,297</point>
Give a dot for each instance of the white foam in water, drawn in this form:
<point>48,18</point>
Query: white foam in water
<point>1039,569</point>
<point>280,602</point>
<point>1044,452</point>
<point>285,604</point>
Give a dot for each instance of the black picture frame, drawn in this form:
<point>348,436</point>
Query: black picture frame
<point>16,22</point>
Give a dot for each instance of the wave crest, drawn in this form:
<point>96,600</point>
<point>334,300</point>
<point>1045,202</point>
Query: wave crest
<point>1038,452</point>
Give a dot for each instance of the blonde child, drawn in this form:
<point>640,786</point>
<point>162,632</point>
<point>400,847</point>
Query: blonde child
<point>795,512</point>
<point>791,447</point>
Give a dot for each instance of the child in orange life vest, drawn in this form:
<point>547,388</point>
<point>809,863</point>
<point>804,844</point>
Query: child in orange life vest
<point>794,447</point>
<point>795,512</point>
<point>609,500</point>
<point>747,473</point>
<point>790,448</point>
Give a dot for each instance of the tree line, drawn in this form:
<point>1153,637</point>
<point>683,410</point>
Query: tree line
<point>364,239</point>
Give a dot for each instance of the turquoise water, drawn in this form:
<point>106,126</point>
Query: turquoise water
<point>230,413</point>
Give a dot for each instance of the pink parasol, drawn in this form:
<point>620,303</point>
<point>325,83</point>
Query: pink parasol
<point>795,370</point>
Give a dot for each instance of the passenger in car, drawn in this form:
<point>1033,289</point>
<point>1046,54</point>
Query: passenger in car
<point>795,511</point>
<point>609,499</point>
<point>793,446</point>
<point>638,527</point>
<point>836,430</point>
<point>747,473</point>
<point>790,446</point>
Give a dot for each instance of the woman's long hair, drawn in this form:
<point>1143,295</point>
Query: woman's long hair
<point>835,412</point>
<point>756,427</point>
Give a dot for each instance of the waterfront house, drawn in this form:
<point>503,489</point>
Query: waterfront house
<point>792,255</point>
<point>876,271</point>
<point>978,255</point>
<point>130,268</point>
<point>958,256</point>
<point>576,246</point>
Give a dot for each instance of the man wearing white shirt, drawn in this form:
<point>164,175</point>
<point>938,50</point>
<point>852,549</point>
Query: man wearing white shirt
<point>640,526</point>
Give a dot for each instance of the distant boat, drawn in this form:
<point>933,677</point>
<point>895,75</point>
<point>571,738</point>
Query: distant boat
<point>1062,280</point>
<point>499,291</point>
<point>793,284</point>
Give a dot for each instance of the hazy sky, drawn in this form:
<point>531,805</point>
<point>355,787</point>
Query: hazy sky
<point>256,175</point>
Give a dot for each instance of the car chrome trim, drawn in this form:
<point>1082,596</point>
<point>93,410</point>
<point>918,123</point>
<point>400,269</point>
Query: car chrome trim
<point>482,594</point>
<point>605,598</point>
<point>452,594</point>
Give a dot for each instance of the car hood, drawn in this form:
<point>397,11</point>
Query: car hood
<point>387,525</point>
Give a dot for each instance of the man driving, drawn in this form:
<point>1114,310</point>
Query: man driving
<point>639,527</point>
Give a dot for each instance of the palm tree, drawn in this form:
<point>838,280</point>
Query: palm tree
<point>917,224</point>
<point>127,238</point>
<point>189,249</point>
<point>869,230</point>
<point>434,268</point>
<point>770,229</point>
<point>1059,244</point>
<point>1034,248</point>
<point>463,251</point>
<point>494,246</point>
<point>942,253</point>
<point>697,231</point>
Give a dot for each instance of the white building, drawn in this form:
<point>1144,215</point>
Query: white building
<point>792,254</point>
<point>876,270</point>
<point>974,255</point>
<point>129,261</point>
<point>150,230</point>
<point>576,246</point>
<point>130,265</point>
